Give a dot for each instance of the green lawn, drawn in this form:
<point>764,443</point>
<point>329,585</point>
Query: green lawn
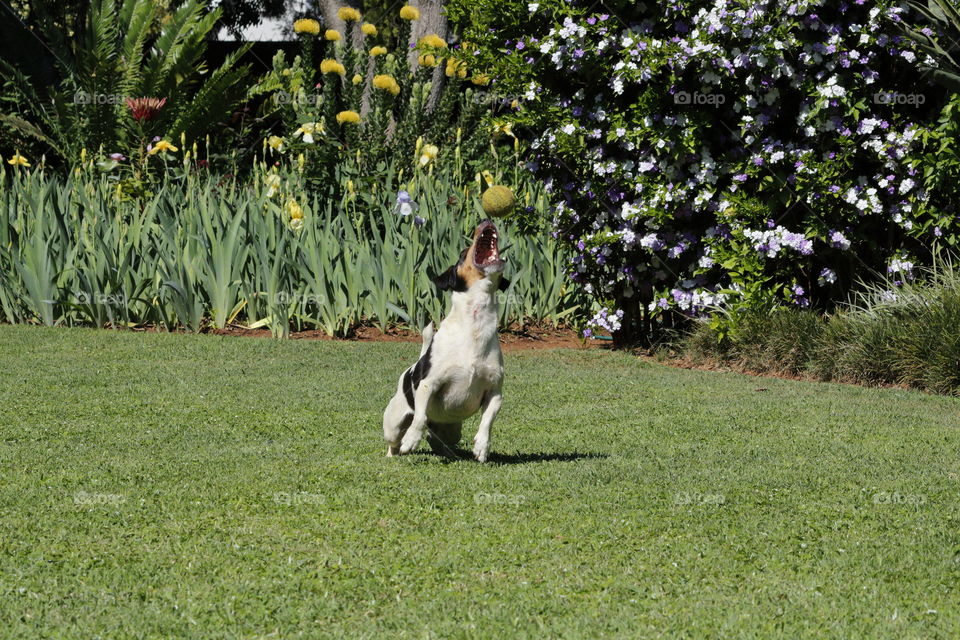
<point>195,486</point>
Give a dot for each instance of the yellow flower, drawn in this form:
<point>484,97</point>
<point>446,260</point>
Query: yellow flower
<point>409,13</point>
<point>18,160</point>
<point>503,127</point>
<point>348,14</point>
<point>433,40</point>
<point>457,67</point>
<point>386,83</point>
<point>295,210</point>
<point>428,60</point>
<point>378,51</point>
<point>357,78</point>
<point>307,25</point>
<point>480,79</point>
<point>368,29</point>
<point>332,35</point>
<point>275,143</point>
<point>488,177</point>
<point>163,145</point>
<point>428,153</point>
<point>350,117</point>
<point>332,66</point>
<point>307,130</point>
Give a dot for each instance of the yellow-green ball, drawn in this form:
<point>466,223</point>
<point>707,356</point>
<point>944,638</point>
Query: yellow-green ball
<point>498,201</point>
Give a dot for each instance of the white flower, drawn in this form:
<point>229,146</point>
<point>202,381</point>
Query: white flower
<point>832,90</point>
<point>533,6</point>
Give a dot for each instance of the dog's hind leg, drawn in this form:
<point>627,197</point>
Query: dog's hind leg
<point>396,420</point>
<point>444,438</point>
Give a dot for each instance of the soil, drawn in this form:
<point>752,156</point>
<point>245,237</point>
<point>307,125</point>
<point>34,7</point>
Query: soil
<point>515,338</point>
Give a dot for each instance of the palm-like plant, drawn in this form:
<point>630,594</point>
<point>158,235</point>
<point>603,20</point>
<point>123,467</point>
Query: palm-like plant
<point>125,49</point>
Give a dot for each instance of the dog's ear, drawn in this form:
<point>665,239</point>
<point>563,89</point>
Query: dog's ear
<point>449,280</point>
<point>504,283</point>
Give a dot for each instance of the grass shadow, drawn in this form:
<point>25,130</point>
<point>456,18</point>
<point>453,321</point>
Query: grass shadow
<point>459,454</point>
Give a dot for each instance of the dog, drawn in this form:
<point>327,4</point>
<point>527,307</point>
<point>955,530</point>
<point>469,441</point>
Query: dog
<point>460,369</point>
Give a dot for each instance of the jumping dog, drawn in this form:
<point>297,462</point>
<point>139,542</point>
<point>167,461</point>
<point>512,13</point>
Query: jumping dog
<point>460,369</point>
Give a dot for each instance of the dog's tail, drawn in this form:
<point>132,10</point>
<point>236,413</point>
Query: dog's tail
<point>427,334</point>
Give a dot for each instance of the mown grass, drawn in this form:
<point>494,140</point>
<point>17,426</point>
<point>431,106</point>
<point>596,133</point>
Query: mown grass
<point>165,486</point>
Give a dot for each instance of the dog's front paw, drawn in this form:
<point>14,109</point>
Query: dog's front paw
<point>409,443</point>
<point>481,450</point>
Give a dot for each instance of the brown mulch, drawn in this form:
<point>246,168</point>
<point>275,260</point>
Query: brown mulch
<point>515,338</point>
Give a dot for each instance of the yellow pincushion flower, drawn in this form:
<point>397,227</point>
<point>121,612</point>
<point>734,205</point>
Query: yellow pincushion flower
<point>332,35</point>
<point>428,60</point>
<point>162,145</point>
<point>409,13</point>
<point>368,29</point>
<point>332,66</point>
<point>433,40</point>
<point>18,160</point>
<point>307,25</point>
<point>348,117</point>
<point>357,78</point>
<point>456,67</point>
<point>480,79</point>
<point>386,83</point>
<point>378,51</point>
<point>348,14</point>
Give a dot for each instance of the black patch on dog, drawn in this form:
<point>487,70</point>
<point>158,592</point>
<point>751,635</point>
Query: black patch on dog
<point>416,373</point>
<point>450,280</point>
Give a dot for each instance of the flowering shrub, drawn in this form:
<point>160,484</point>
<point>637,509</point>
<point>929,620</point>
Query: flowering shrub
<point>707,152</point>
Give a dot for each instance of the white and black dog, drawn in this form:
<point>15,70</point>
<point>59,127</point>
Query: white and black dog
<point>460,369</point>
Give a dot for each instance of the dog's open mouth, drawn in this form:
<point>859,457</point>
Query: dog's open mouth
<point>486,254</point>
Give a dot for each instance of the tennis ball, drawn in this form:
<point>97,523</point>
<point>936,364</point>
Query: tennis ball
<point>498,201</point>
